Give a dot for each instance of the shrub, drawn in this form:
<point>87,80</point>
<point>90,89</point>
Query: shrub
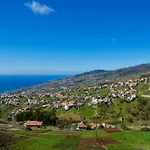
<point>88,127</point>
<point>145,129</point>
<point>124,127</point>
<point>63,124</point>
<point>130,119</point>
<point>48,117</point>
<point>4,140</point>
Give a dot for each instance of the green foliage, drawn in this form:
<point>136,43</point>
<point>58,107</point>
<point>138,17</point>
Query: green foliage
<point>129,119</point>
<point>85,111</point>
<point>92,133</point>
<point>113,122</point>
<point>38,143</point>
<point>130,111</point>
<point>48,98</point>
<point>147,106</point>
<point>23,100</point>
<point>145,129</point>
<point>66,119</point>
<point>142,89</point>
<point>127,141</point>
<point>48,117</point>
<point>4,140</point>
<point>104,92</point>
<point>124,127</point>
<point>130,140</point>
<point>70,142</point>
<point>102,111</point>
<point>5,111</point>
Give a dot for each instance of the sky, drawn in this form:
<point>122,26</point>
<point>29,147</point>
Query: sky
<point>73,36</point>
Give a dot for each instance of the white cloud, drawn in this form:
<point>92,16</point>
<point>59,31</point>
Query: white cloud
<point>37,8</point>
<point>113,39</point>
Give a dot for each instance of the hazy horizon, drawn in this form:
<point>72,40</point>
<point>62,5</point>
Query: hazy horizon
<point>65,73</point>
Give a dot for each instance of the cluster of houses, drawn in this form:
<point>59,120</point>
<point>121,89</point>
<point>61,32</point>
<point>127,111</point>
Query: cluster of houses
<point>11,100</point>
<point>92,126</point>
<point>69,98</point>
<point>80,126</point>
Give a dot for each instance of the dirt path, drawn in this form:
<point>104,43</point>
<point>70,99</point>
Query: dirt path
<point>110,130</point>
<point>99,143</point>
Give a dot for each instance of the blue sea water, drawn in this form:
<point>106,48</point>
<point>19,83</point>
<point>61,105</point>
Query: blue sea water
<point>12,82</point>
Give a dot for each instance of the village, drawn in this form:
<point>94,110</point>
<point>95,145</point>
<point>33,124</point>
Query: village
<point>29,125</point>
<point>68,98</point>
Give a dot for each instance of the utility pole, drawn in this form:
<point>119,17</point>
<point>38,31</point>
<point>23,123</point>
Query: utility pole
<point>96,134</point>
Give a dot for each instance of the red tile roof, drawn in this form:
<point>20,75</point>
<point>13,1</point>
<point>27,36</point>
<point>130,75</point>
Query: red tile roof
<point>81,125</point>
<point>34,123</point>
<point>92,125</point>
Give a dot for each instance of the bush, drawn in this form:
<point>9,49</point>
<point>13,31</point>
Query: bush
<point>4,140</point>
<point>145,129</point>
<point>130,119</point>
<point>63,124</point>
<point>124,127</point>
<point>88,127</point>
<point>48,117</point>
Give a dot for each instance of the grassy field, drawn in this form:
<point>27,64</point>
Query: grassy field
<point>84,111</point>
<point>40,140</point>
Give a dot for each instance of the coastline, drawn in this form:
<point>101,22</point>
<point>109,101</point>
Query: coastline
<point>9,83</point>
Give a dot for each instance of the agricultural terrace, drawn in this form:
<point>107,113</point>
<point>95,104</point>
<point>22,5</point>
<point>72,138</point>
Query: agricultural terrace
<point>72,140</point>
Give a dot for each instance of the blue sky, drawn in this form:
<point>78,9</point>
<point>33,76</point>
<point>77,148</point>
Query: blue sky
<point>72,36</point>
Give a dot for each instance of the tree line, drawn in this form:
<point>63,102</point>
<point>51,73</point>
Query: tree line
<point>48,117</point>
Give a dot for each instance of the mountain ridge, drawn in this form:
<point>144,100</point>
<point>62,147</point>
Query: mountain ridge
<point>89,78</point>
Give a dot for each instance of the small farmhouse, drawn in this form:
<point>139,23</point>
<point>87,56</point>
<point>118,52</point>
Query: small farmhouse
<point>33,124</point>
<point>81,126</point>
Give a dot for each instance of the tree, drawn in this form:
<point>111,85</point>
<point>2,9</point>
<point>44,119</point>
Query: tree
<point>48,117</point>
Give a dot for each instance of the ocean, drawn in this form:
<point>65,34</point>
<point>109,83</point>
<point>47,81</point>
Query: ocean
<point>12,82</point>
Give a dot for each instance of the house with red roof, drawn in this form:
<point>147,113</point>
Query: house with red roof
<point>81,126</point>
<point>35,124</point>
<point>92,126</point>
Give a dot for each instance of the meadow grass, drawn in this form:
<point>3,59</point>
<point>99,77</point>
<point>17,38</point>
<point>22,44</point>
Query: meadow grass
<point>84,111</point>
<point>92,134</point>
<point>48,141</point>
<point>38,143</point>
<point>131,140</point>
